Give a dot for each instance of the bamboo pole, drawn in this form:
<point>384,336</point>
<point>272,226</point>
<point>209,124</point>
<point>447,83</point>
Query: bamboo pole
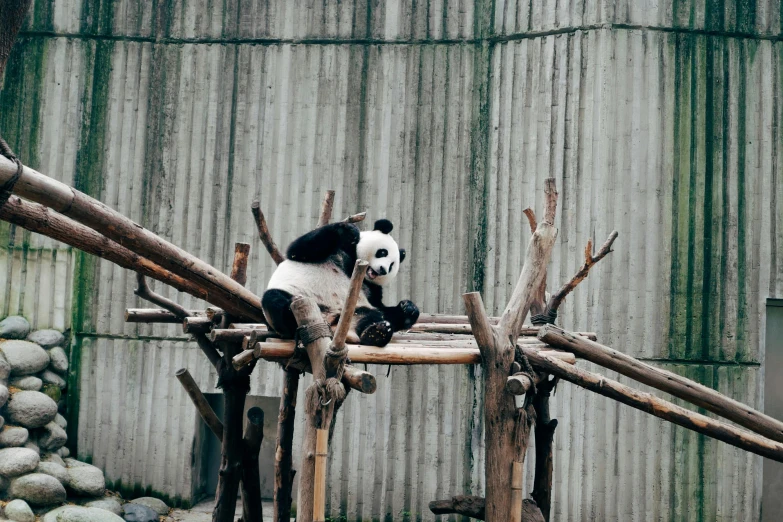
<point>319,490</point>
<point>660,408</point>
<point>200,402</point>
<point>221,289</point>
<point>516,492</point>
<point>666,381</point>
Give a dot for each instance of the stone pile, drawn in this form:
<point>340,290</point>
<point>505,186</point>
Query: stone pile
<point>36,473</point>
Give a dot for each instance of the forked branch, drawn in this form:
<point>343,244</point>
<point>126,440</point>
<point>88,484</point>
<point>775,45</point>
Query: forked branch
<point>326,208</point>
<point>581,275</point>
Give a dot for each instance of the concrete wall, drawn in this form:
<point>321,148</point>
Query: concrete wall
<point>659,119</point>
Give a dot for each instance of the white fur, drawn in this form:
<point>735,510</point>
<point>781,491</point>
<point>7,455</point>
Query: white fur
<point>324,282</point>
<point>369,243</point>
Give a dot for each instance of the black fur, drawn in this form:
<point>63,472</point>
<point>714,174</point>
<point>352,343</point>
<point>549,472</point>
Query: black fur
<point>277,305</point>
<point>337,242</point>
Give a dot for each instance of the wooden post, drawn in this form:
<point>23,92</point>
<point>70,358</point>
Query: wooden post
<point>12,13</point>
<point>251,480</point>
<point>307,313</point>
<point>319,491</point>
<point>326,208</point>
<point>545,434</point>
<point>283,454</point>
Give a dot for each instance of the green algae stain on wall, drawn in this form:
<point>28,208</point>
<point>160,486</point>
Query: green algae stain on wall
<point>90,163</point>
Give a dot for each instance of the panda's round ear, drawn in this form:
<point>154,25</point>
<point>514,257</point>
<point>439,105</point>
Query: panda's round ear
<point>384,225</point>
<point>402,255</point>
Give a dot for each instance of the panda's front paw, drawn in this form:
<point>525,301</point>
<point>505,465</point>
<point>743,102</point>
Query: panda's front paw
<point>410,313</point>
<point>377,334</point>
<point>348,234</point>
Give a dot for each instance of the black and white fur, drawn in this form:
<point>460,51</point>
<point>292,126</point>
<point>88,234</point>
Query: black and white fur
<point>319,265</point>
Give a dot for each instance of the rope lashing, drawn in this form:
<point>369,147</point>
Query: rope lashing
<point>548,317</point>
<point>527,368</point>
<point>324,389</point>
<point>305,335</point>
<point>7,188</point>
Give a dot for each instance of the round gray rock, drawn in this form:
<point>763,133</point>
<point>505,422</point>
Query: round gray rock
<point>46,338</point>
<point>153,503</point>
<point>38,489</point>
<point>53,469</point>
<point>64,452</point>
<point>14,327</point>
<point>16,461</point>
<point>138,513</point>
<point>108,503</point>
<point>33,446</point>
<point>27,382</point>
<point>13,436</point>
<point>51,437</point>
<point>24,357</point>
<point>19,511</point>
<point>49,377</point>
<point>85,480</point>
<point>4,394</point>
<point>80,514</point>
<point>60,421</point>
<point>52,457</point>
<point>59,360</point>
<point>31,409</point>
<point>5,368</point>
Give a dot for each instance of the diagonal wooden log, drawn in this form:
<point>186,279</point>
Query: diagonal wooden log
<point>666,381</point>
<point>660,408</point>
<point>221,290</point>
<point>200,402</point>
<point>42,220</point>
<point>264,235</point>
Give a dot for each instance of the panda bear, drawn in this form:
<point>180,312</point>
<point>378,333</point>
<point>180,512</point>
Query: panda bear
<point>319,265</point>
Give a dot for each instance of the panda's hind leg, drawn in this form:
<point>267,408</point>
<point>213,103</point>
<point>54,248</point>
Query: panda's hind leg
<point>372,328</point>
<point>277,310</point>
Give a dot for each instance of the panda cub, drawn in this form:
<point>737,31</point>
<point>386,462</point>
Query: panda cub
<point>319,265</point>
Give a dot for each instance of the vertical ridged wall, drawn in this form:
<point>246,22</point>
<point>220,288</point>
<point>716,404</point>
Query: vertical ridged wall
<point>659,120</point>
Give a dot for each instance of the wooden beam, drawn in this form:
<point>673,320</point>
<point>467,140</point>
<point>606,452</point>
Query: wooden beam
<point>157,315</point>
<point>221,289</point>
<point>42,220</point>
<point>346,316</point>
<point>660,408</point>
<point>666,381</point>
<point>395,355</point>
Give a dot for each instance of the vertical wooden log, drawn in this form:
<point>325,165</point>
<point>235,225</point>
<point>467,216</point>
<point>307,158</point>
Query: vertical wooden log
<point>283,454</point>
<point>306,312</point>
<point>545,434</point>
<point>516,492</point>
<point>235,387</point>
<point>252,510</point>
<point>319,491</point>
<point>12,13</point>
<point>326,208</point>
<point>239,268</point>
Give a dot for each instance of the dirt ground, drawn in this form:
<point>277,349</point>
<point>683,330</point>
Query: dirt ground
<point>203,513</point>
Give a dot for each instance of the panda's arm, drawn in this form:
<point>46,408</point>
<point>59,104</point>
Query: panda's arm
<point>401,317</point>
<point>317,245</point>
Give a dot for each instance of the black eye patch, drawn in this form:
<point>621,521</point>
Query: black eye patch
<point>382,253</point>
<point>391,266</point>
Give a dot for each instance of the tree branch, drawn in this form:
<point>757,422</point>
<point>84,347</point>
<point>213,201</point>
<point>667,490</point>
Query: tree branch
<point>200,402</point>
<point>326,208</point>
<point>531,219</point>
<point>557,298</point>
<point>264,235</point>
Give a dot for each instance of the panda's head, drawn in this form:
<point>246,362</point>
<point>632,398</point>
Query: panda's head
<point>379,249</point>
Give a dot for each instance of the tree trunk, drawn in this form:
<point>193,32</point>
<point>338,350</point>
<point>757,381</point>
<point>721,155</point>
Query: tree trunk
<point>12,13</point>
<point>235,387</point>
<point>545,434</point>
<point>251,480</point>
